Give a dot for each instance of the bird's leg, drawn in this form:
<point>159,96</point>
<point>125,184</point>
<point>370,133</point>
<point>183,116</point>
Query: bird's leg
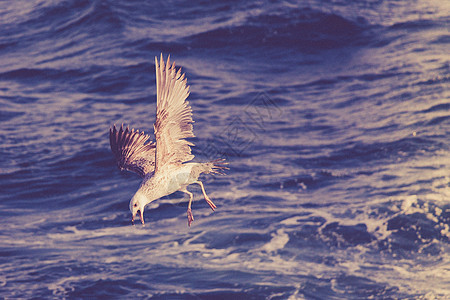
<point>210,203</point>
<point>189,211</point>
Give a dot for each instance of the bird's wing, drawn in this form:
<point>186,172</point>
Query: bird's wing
<point>131,150</point>
<point>173,116</point>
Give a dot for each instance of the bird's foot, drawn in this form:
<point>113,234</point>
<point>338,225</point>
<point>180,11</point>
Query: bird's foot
<point>190,217</point>
<point>210,203</point>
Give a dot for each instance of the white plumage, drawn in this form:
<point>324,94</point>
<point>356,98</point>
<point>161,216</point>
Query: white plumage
<point>164,164</point>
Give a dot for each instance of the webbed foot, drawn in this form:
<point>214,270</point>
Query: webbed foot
<point>190,216</point>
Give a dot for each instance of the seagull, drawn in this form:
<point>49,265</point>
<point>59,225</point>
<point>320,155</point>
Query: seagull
<point>164,164</point>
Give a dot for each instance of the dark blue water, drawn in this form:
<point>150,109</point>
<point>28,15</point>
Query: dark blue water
<point>334,116</point>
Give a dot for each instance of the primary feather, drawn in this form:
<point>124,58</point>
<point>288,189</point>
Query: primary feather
<point>131,151</point>
<point>173,116</point>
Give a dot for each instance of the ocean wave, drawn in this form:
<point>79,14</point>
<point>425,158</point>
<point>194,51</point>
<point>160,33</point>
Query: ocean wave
<point>332,118</point>
<point>304,29</point>
<point>364,154</point>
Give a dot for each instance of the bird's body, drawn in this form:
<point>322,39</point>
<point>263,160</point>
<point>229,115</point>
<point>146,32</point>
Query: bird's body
<point>164,165</point>
<point>172,179</point>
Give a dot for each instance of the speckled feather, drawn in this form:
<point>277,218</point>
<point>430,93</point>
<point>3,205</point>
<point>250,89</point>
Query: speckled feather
<point>163,164</point>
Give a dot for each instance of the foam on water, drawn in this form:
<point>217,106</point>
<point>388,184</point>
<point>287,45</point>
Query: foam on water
<point>333,116</point>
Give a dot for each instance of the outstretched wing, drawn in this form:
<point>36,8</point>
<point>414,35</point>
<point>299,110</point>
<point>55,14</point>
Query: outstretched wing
<point>131,151</point>
<point>173,116</point>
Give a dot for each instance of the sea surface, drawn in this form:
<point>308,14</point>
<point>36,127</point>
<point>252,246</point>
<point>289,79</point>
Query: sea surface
<point>333,115</point>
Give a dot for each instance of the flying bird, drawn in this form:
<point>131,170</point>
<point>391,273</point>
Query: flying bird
<point>164,164</point>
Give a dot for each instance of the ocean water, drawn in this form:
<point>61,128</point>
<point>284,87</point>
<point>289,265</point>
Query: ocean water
<point>333,115</point>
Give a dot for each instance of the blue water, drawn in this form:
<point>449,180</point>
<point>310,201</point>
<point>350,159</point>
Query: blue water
<point>334,116</point>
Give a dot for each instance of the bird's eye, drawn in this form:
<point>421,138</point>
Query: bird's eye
<point>135,205</point>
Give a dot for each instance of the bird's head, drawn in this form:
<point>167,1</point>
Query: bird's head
<point>137,203</point>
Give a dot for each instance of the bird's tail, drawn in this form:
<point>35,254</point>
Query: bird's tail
<point>216,167</point>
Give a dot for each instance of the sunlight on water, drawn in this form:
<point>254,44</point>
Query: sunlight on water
<point>333,116</point>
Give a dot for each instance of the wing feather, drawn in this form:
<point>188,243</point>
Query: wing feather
<point>173,116</point>
<point>131,151</point>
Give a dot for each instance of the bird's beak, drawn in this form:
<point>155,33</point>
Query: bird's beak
<point>132,218</point>
<point>142,216</point>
